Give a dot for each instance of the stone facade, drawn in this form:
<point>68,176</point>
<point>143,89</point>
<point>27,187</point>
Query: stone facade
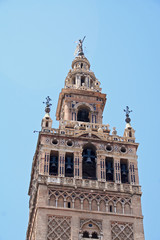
<point>84,179</point>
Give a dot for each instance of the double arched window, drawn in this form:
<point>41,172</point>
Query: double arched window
<point>86,234</point>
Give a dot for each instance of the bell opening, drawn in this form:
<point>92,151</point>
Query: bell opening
<point>89,162</point>
<point>83,114</point>
<point>53,164</point>
<point>109,169</point>
<point>69,168</point>
<point>124,171</point>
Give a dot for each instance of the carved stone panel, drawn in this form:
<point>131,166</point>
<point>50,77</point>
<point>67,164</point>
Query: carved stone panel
<point>59,228</point>
<point>121,231</point>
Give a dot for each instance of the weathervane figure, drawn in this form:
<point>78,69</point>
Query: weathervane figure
<point>48,104</point>
<point>127,111</point>
<point>79,48</point>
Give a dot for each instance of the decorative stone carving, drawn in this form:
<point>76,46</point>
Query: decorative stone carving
<point>121,231</point>
<point>101,147</point>
<point>59,228</point>
<point>90,226</point>
<point>94,221</point>
<point>130,151</point>
<point>47,140</point>
<point>116,148</point>
<point>83,198</point>
<point>62,142</point>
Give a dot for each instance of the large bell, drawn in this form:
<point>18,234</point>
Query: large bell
<point>89,160</point>
<point>124,170</point>
<point>68,164</point>
<point>109,168</point>
<point>53,165</point>
<point>109,171</point>
<point>68,168</point>
<point>88,155</point>
<point>53,162</point>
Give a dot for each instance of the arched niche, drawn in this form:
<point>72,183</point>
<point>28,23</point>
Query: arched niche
<point>127,209</point>
<point>85,204</point>
<point>52,201</point>
<point>94,205</point>
<point>102,206</point>
<point>119,208</point>
<point>77,203</point>
<point>89,162</point>
<point>60,202</point>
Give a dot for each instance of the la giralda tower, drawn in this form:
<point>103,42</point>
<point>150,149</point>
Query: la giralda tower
<point>84,178</point>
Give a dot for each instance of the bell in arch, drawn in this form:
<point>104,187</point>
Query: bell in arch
<point>109,168</point>
<point>88,160</point>
<point>124,170</point>
<point>68,167</point>
<point>89,156</point>
<point>53,162</point>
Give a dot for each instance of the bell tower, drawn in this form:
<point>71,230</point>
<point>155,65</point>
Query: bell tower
<point>84,179</point>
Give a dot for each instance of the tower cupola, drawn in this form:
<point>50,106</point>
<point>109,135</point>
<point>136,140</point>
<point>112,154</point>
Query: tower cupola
<point>80,76</point>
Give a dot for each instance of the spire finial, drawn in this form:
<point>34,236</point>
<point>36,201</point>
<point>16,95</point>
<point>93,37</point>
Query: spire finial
<point>48,104</point>
<point>79,48</point>
<point>127,111</point>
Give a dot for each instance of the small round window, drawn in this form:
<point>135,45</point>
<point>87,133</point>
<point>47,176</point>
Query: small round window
<point>54,141</point>
<point>109,148</point>
<point>70,143</point>
<point>123,149</point>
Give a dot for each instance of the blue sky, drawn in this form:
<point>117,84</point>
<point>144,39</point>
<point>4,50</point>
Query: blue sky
<point>37,43</point>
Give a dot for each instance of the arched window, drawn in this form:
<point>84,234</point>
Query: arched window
<point>83,114</point>
<point>53,165</point>
<point>124,171</point>
<point>109,169</point>
<point>69,165</point>
<point>130,132</point>
<point>82,80</point>
<point>94,235</point>
<point>85,234</point>
<point>89,162</point>
<point>73,80</point>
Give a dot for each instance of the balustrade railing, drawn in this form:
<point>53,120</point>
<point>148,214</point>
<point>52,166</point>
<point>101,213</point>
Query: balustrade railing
<point>72,128</point>
<point>86,183</point>
<point>84,126</point>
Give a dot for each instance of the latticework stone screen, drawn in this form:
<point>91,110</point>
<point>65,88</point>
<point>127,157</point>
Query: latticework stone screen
<point>122,231</point>
<point>59,228</point>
